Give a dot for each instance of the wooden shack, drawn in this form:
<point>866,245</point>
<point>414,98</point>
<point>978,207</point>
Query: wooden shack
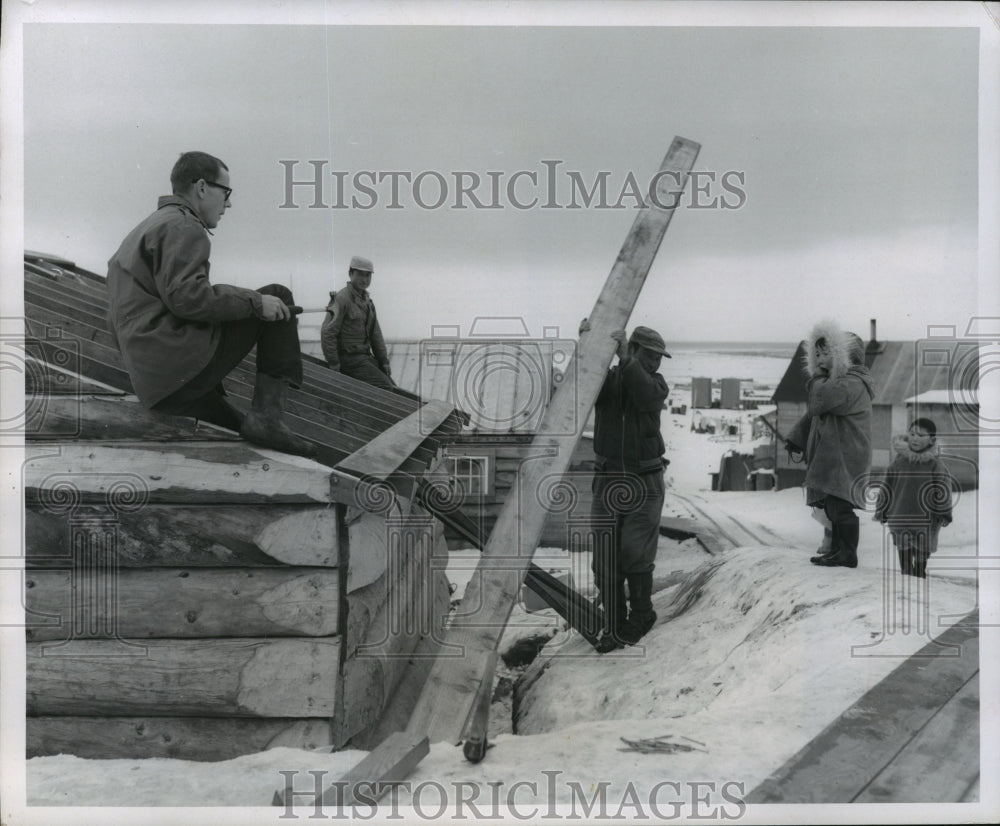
<point>503,384</point>
<point>190,595</point>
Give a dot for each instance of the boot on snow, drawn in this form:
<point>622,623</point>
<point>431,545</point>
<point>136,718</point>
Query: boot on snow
<point>264,425</point>
<point>641,616</point>
<point>845,540</point>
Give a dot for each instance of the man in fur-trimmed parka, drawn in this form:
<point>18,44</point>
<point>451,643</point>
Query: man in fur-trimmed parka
<point>835,435</point>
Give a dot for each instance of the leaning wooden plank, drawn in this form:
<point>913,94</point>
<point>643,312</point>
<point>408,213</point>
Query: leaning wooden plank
<point>581,614</point>
<point>113,418</point>
<point>181,738</point>
<point>849,753</point>
<point>209,678</point>
<point>179,536</point>
<point>940,763</point>
<point>184,472</point>
<point>391,762</point>
<point>387,452</point>
<point>179,603</point>
<point>451,689</point>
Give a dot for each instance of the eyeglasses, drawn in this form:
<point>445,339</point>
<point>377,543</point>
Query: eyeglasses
<point>225,189</point>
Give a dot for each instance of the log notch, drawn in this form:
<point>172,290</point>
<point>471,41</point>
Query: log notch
<point>171,612</point>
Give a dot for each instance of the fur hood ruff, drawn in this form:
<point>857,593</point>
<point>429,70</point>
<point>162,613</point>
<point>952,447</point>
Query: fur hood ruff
<point>846,348</point>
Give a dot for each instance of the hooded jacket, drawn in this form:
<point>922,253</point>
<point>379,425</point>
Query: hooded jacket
<point>627,419</point>
<point>835,432</point>
<point>916,490</point>
<point>163,311</point>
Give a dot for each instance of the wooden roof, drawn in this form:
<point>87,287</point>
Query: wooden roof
<point>901,370</point>
<point>68,341</point>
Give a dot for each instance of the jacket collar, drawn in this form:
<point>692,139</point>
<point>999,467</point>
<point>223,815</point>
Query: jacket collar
<point>361,295</point>
<point>181,203</point>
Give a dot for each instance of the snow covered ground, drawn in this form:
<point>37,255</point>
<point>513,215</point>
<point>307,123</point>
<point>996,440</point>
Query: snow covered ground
<point>754,653</point>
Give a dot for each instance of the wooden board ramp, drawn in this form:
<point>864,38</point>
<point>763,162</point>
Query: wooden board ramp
<point>450,692</point>
<point>714,529</point>
<point>913,737</point>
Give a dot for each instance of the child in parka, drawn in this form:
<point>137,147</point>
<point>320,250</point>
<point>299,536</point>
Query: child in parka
<point>915,498</point>
<point>835,436</point>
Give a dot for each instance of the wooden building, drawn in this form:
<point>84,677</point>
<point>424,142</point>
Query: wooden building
<point>191,595</point>
<point>503,383</point>
<point>934,377</point>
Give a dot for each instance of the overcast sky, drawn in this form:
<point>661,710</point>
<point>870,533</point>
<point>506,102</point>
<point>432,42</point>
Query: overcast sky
<point>845,163</point>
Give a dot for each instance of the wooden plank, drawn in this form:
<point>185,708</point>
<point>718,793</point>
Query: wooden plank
<point>180,536</point>
<point>396,712</point>
<point>451,689</point>
<point>182,603</point>
<point>858,745</point>
<point>940,763</point>
<point>387,452</point>
<point>184,472</point>
<point>679,529</point>
<point>180,738</point>
<point>401,617</point>
<point>392,761</point>
<point>42,380</point>
<point>113,418</point>
<point>180,678</point>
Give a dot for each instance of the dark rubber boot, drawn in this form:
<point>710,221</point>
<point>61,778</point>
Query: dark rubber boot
<point>641,614</point>
<point>845,540</point>
<point>264,425</point>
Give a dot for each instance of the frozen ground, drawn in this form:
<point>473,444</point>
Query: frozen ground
<point>754,653</point>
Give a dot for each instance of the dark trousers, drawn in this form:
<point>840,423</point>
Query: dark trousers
<point>625,520</point>
<point>364,368</point>
<point>913,547</point>
<point>844,526</point>
<point>278,354</point>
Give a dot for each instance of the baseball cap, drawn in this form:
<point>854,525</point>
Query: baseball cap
<point>363,264</point>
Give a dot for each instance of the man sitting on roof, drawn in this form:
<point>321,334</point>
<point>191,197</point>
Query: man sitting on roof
<point>180,335</point>
<point>350,336</point>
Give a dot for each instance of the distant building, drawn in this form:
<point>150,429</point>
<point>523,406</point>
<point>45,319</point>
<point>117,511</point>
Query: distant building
<point>934,377</point>
<point>504,385</point>
<point>701,393</point>
<point>730,394</point>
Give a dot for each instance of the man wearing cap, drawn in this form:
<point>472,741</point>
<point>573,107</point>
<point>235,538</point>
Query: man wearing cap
<point>628,486</point>
<point>350,336</point>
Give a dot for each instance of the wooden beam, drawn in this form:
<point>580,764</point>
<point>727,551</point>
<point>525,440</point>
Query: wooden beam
<point>181,678</point>
<point>184,472</point>
<point>182,536</point>
<point>181,738</point>
<point>837,765</point>
<point>386,453</point>
<point>940,763</point>
<point>397,711</point>
<point>450,692</point>
<point>184,603</point>
<point>113,418</point>
<point>392,761</point>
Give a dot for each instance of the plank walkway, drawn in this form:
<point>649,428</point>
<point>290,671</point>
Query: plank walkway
<point>912,738</point>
